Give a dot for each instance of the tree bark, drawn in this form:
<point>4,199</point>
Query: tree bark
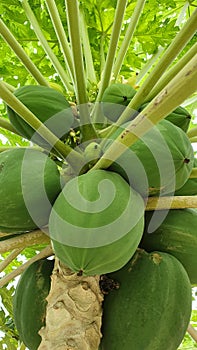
<point>74,312</point>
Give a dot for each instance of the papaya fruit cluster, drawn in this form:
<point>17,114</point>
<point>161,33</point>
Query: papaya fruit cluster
<point>98,224</point>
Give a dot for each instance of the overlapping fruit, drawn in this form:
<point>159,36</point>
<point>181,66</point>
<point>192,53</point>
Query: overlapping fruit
<point>98,224</point>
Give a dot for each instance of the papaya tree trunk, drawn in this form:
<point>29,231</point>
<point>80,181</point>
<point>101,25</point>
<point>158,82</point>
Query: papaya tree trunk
<point>74,311</point>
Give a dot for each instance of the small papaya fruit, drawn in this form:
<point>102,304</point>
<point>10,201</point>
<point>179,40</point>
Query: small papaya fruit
<point>92,153</point>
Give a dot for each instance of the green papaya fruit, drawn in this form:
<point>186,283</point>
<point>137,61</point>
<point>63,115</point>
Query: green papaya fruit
<point>92,153</point>
<point>29,184</point>
<point>179,117</point>
<point>151,308</point>
<point>176,234</point>
<point>160,162</point>
<point>49,106</point>
<point>115,98</point>
<point>190,186</point>
<point>29,301</point>
<point>96,223</point>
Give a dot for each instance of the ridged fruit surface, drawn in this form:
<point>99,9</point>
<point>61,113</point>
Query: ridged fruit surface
<point>151,308</point>
<point>115,98</point>
<point>29,184</point>
<point>176,235</point>
<point>30,301</point>
<point>190,186</point>
<point>96,223</point>
<point>49,106</point>
<point>159,162</point>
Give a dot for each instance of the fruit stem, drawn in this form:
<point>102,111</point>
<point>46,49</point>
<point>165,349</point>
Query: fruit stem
<point>177,44</point>
<point>23,57</point>
<point>192,132</point>
<point>193,139</point>
<point>22,241</point>
<point>177,202</point>
<point>4,123</point>
<point>10,258</point>
<point>175,92</point>
<point>149,64</point>
<point>192,332</point>
<point>72,10</point>
<point>193,174</point>
<point>53,58</point>
<point>10,87</point>
<point>45,253</point>
<point>90,71</point>
<point>107,73</point>
<point>169,75</point>
<point>128,37</point>
<point>61,35</point>
<point>74,158</point>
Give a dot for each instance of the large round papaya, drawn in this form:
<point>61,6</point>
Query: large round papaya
<point>151,308</point>
<point>190,186</point>
<point>160,162</point>
<point>29,184</point>
<point>49,106</point>
<point>176,235</point>
<point>179,117</point>
<point>29,303</point>
<point>115,98</point>
<point>96,223</point>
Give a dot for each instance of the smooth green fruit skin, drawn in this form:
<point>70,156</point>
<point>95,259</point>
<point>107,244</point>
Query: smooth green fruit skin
<point>93,259</point>
<point>49,106</point>
<point>29,301</point>
<point>152,307</point>
<point>179,117</point>
<point>190,187</point>
<point>115,98</point>
<point>165,149</point>
<point>25,184</point>
<point>176,235</point>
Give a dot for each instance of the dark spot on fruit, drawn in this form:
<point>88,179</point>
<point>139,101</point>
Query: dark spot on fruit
<point>124,98</point>
<point>107,284</point>
<point>186,160</point>
<point>1,166</point>
<point>80,273</point>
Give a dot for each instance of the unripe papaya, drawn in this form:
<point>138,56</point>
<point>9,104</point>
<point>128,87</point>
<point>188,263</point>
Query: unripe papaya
<point>96,223</point>
<point>175,233</point>
<point>159,162</point>
<point>190,186</point>
<point>29,304</point>
<point>49,106</point>
<point>115,98</point>
<point>29,184</point>
<point>151,308</point>
<point>92,153</point>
